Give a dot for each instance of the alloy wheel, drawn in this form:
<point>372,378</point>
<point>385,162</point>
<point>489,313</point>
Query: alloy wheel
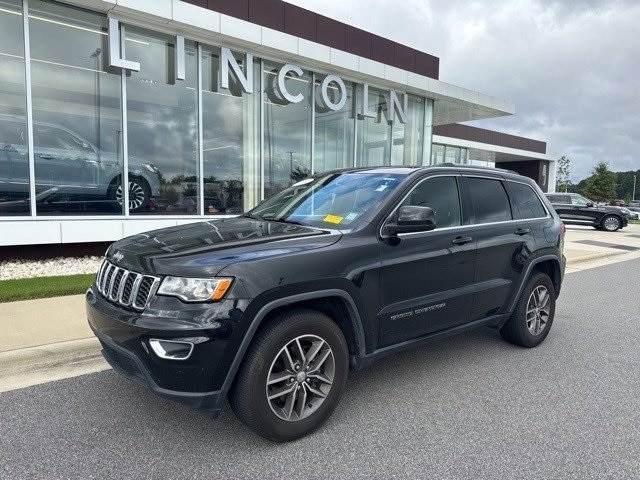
<point>300,377</point>
<point>136,195</point>
<point>611,224</point>
<point>538,310</point>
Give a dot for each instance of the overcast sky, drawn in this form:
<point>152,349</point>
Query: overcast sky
<point>572,67</point>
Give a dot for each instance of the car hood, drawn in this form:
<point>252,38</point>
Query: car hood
<point>205,248</point>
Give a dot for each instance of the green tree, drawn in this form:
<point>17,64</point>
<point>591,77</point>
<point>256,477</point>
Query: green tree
<point>562,174</point>
<point>601,186</point>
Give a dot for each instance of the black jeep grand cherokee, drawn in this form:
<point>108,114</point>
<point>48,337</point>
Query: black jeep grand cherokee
<point>272,308</point>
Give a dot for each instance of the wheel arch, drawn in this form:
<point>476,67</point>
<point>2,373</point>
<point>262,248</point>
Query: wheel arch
<point>547,264</point>
<point>336,304</point>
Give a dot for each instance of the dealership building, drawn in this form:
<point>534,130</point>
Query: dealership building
<point>206,107</point>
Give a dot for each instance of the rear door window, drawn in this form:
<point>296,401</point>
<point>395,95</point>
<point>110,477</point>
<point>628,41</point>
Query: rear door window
<point>490,200</point>
<point>526,201</point>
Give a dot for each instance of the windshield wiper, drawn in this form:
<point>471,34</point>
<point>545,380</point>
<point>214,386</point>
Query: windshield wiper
<point>253,217</point>
<point>285,220</point>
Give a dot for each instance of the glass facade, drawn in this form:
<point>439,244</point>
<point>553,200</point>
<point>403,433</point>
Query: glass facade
<point>287,127</point>
<point>449,154</point>
<point>162,122</point>
<point>231,139</point>
<point>334,130</point>
<point>76,112</point>
<point>188,141</point>
<point>14,149</point>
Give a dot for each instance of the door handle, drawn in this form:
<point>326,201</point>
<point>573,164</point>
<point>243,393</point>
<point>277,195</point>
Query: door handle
<point>46,157</point>
<point>461,240</point>
<point>522,231</point>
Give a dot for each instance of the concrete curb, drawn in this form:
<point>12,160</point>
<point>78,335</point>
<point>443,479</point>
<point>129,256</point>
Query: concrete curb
<point>45,363</point>
<point>594,256</point>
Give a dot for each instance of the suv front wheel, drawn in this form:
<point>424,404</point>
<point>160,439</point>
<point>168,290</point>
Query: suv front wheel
<point>611,223</point>
<point>292,376</point>
<point>531,320</point>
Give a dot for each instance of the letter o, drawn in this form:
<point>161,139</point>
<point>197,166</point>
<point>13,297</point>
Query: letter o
<point>325,93</point>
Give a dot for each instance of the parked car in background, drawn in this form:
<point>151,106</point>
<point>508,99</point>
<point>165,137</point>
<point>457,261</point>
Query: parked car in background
<point>634,203</point>
<point>272,308</point>
<point>69,169</point>
<point>634,212</point>
<point>574,209</point>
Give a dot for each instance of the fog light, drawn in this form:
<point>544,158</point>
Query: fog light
<point>171,349</point>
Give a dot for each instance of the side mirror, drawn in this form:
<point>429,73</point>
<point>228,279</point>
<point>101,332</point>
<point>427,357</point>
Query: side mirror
<point>412,219</point>
<point>590,204</point>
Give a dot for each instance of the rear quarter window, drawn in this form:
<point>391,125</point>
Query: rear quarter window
<point>490,200</point>
<point>526,200</point>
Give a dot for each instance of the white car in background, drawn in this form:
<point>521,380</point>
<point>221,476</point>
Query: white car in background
<point>634,213</point>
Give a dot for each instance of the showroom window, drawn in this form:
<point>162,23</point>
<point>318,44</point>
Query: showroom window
<point>287,128</point>
<point>14,150</point>
<point>248,147</point>
<point>162,121</point>
<point>231,129</point>
<point>408,136</point>
<point>334,129</point>
<point>76,113</point>
<point>437,154</point>
<point>373,146</point>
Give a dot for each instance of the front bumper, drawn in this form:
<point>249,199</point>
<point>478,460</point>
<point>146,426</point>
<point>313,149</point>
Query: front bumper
<point>196,382</point>
<point>130,366</point>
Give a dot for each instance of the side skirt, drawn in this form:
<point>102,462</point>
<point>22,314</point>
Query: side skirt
<point>360,362</point>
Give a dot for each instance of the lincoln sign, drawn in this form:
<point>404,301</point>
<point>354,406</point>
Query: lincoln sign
<point>396,106</point>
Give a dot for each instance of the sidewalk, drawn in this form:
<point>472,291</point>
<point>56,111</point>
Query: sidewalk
<point>49,339</point>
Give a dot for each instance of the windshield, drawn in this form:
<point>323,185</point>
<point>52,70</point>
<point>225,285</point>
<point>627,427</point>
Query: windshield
<point>334,200</point>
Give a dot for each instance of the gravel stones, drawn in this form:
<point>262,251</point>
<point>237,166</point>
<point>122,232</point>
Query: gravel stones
<point>12,269</point>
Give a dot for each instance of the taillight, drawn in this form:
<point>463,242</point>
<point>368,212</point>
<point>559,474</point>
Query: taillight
<point>564,228</point>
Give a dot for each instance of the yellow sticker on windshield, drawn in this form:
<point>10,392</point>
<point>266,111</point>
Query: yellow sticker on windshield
<point>333,219</point>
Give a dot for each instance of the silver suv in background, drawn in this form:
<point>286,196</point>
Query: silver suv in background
<point>68,169</point>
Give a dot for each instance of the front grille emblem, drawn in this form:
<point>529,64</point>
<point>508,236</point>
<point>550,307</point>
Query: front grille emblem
<point>118,256</point>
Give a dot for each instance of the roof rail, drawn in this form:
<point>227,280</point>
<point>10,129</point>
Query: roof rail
<point>475,167</point>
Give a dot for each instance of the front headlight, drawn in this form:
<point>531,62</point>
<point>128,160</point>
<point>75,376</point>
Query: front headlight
<point>195,289</point>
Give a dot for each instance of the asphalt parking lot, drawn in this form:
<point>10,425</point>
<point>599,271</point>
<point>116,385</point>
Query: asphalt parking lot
<point>471,406</point>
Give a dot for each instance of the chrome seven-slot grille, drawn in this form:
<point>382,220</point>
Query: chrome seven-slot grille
<point>127,288</point>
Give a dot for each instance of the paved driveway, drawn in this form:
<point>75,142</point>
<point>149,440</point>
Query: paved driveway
<point>467,407</point>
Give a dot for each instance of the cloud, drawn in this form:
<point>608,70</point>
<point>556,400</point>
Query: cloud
<point>571,67</point>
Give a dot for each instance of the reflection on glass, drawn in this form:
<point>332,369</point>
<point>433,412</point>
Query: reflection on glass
<point>407,137</point>
<point>76,112</point>
<point>463,155</point>
<point>333,130</point>
<point>374,133</point>
<point>162,121</point>
<point>452,154</point>
<point>14,155</point>
<point>287,131</point>
<point>437,154</point>
<point>230,140</point>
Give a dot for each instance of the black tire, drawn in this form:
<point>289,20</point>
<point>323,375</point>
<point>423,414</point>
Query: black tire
<point>516,330</point>
<point>611,223</point>
<point>248,396</point>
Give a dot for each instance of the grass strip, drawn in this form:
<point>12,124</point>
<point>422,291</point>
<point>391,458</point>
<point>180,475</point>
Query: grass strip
<point>44,287</point>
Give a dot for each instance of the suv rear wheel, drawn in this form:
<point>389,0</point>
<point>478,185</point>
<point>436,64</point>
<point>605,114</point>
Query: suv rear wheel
<point>292,376</point>
<point>531,320</point>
